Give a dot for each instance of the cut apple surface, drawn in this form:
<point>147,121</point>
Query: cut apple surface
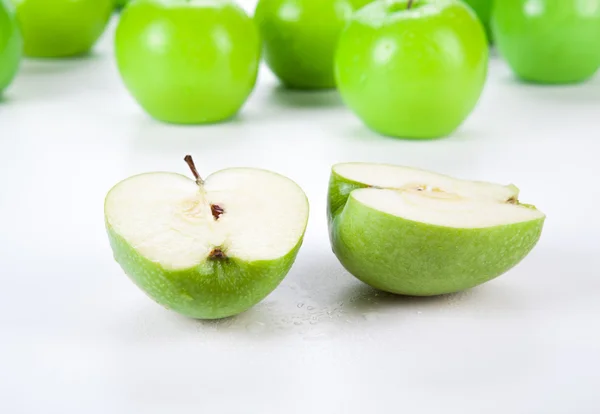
<point>169,219</point>
<point>417,232</point>
<point>207,248</point>
<point>436,199</point>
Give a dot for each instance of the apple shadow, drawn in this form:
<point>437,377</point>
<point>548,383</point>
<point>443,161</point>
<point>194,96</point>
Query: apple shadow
<point>320,300</point>
<point>43,78</point>
<point>582,92</point>
<point>515,292</point>
<point>87,55</point>
<point>235,119</point>
<point>362,133</point>
<point>304,305</point>
<point>33,66</point>
<point>363,299</point>
<point>282,96</point>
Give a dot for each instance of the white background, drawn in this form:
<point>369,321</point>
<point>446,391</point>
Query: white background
<point>77,336</point>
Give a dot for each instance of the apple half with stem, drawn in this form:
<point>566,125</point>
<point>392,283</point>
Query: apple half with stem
<point>210,248</point>
<point>419,233</point>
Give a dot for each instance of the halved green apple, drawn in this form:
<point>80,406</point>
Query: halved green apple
<point>206,249</point>
<point>419,233</point>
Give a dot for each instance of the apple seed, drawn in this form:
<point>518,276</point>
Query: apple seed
<point>216,211</point>
<point>217,254</point>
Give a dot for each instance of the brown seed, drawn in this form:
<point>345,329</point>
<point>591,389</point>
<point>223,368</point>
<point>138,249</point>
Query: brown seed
<point>217,254</point>
<point>216,211</point>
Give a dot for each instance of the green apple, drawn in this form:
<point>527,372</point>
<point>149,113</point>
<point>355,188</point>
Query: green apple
<point>121,3</point>
<point>483,8</point>
<point>420,233</point>
<point>62,28</point>
<point>300,38</point>
<point>206,249</point>
<point>549,41</point>
<point>10,45</point>
<point>188,61</point>
<point>412,69</point>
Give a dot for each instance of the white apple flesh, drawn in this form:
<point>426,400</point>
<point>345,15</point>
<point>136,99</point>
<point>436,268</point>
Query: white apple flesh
<point>415,232</point>
<point>207,249</point>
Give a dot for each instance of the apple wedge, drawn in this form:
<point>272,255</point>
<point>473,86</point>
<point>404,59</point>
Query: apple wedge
<point>206,249</point>
<point>419,233</point>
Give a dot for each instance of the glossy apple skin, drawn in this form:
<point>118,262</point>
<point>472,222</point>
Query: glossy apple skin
<point>483,8</point>
<point>406,257</point>
<point>10,45</point>
<point>188,62</point>
<point>549,41</point>
<point>414,73</point>
<point>300,38</point>
<point>61,28</point>
<point>201,292</point>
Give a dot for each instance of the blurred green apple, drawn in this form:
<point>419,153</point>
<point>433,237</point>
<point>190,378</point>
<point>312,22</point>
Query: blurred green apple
<point>483,8</point>
<point>412,69</point>
<point>419,233</point>
<point>10,45</point>
<point>300,38</point>
<point>188,61</point>
<point>206,249</point>
<point>549,41</point>
<point>61,28</point>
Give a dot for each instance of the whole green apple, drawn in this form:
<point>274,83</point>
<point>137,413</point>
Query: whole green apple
<point>206,249</point>
<point>61,28</point>
<point>419,233</point>
<point>10,45</point>
<point>188,61</point>
<point>549,41</point>
<point>300,38</point>
<point>483,8</point>
<point>412,69</point>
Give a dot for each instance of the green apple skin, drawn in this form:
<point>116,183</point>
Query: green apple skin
<point>188,62</point>
<point>300,38</point>
<point>10,45</point>
<point>205,291</point>
<point>417,259</point>
<point>414,73</point>
<point>61,28</point>
<point>483,8</point>
<point>549,41</point>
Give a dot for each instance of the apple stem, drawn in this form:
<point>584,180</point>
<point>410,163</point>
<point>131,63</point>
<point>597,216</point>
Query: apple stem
<point>190,162</point>
<point>409,4</point>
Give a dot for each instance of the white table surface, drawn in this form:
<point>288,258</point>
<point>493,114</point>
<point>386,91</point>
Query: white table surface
<point>78,337</point>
